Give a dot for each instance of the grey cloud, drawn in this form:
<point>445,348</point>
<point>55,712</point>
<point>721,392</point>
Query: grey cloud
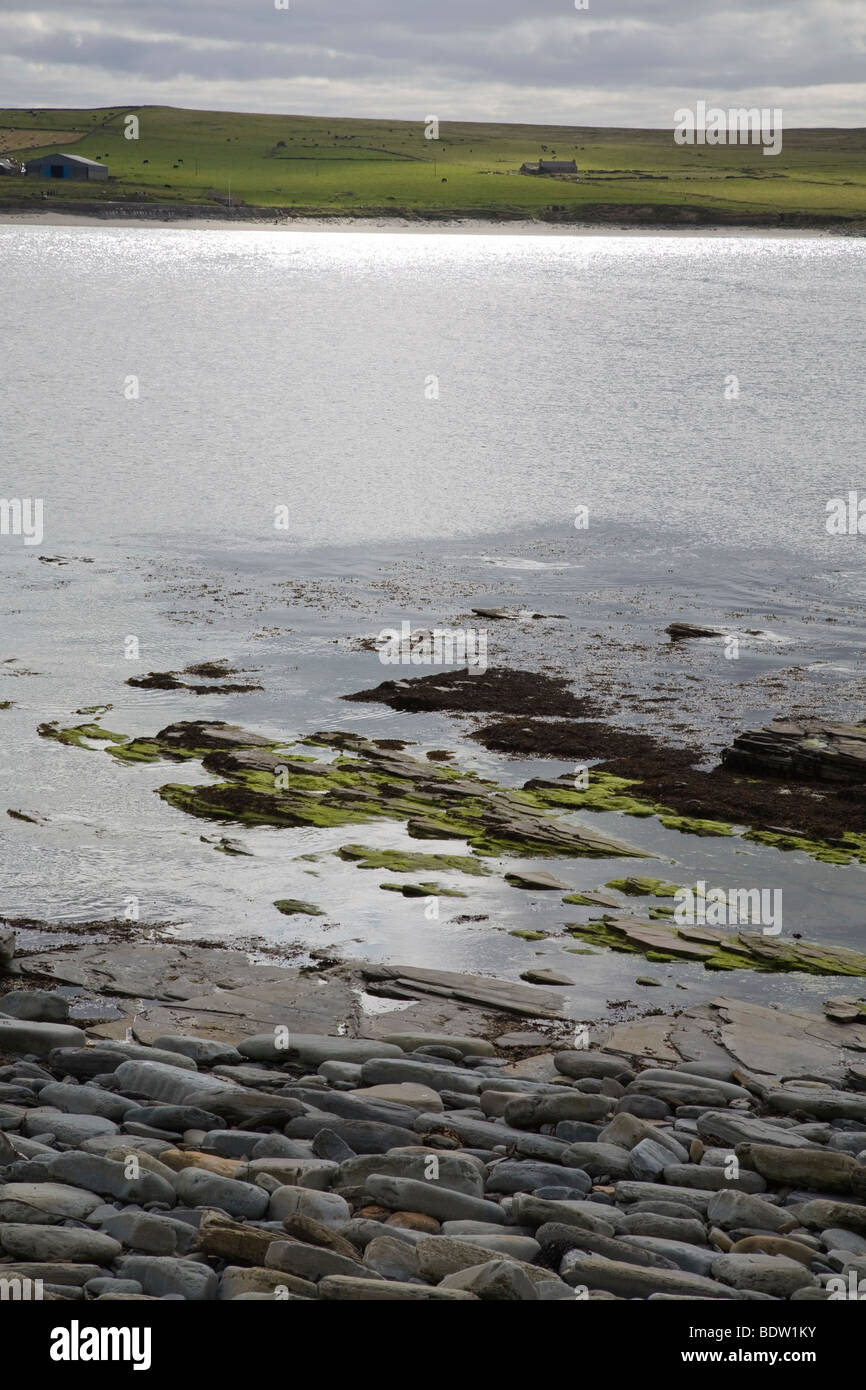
<point>367,57</point>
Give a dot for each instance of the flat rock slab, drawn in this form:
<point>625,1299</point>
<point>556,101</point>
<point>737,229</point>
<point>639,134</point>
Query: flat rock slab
<point>540,881</point>
<point>217,994</point>
<point>547,977</point>
<point>434,1014</point>
<point>524,1039</point>
<point>309,1003</point>
<point>162,971</point>
<point>785,1042</point>
<point>406,981</point>
<point>771,1043</point>
<point>648,1038</point>
<point>841,1010</point>
<point>654,938</point>
<point>599,898</point>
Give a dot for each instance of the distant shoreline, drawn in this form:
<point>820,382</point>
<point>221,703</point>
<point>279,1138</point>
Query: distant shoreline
<point>469,226</point>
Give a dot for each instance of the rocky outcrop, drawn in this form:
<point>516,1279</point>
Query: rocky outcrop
<point>266,785</point>
<point>804,749</point>
<point>724,949</point>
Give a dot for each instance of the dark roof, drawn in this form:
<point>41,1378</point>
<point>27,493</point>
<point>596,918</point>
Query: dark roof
<point>566,166</point>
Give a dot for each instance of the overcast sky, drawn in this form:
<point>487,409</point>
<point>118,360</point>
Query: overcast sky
<point>619,62</point>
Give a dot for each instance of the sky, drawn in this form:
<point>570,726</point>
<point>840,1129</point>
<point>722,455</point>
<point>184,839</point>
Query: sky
<point>614,62</point>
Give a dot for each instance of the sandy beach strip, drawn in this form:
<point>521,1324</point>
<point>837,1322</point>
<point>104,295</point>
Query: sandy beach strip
<point>401,226</point>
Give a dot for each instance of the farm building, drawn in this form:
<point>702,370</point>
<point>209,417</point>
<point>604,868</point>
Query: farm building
<point>65,166</point>
<point>550,166</point>
<point>9,166</point>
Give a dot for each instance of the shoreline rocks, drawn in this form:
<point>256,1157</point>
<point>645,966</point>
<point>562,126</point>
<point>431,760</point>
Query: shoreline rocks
<point>353,1169</point>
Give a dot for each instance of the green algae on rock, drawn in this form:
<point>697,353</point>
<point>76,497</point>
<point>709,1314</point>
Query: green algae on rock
<point>595,897</point>
<point>849,848</point>
<point>264,784</point>
<point>644,887</point>
<point>177,742</point>
<point>76,735</point>
<point>138,750</point>
<point>694,825</point>
<point>717,949</point>
<point>291,907</point>
<point>607,792</point>
<point>407,862</point>
<point>604,792</point>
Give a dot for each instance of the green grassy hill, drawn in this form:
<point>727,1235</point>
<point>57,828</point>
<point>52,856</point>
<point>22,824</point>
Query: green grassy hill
<point>314,164</point>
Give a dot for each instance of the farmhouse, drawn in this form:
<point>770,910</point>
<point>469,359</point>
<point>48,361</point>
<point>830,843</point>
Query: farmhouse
<point>65,166</point>
<point>550,166</point>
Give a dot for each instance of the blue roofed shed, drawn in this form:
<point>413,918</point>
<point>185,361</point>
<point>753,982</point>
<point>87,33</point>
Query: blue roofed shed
<point>66,166</point>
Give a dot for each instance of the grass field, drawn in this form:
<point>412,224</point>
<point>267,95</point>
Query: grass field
<point>314,164</point>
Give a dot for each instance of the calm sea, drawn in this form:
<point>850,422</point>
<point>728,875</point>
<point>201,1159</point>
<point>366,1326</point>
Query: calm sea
<point>266,446</point>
